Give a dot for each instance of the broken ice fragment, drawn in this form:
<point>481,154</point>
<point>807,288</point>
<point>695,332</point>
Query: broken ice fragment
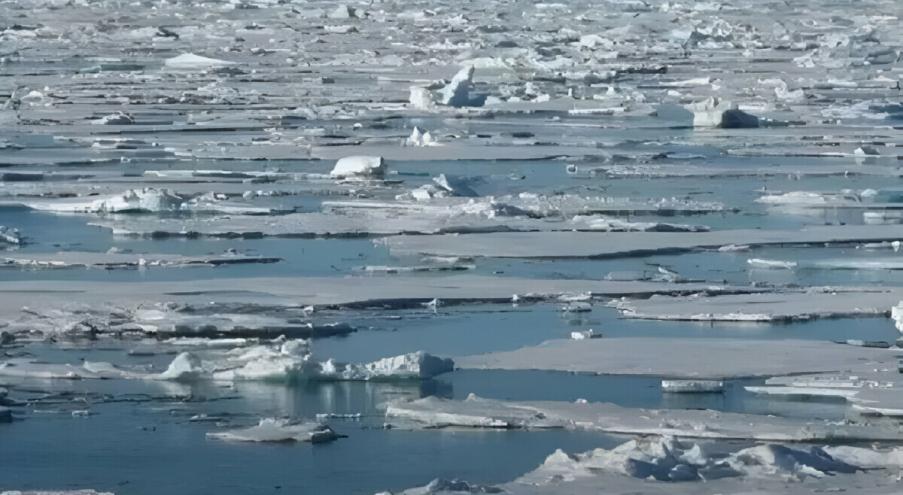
<point>359,166</point>
<point>778,264</point>
<point>185,367</point>
<point>419,138</point>
<point>118,118</point>
<point>279,430</point>
<point>190,61</point>
<point>896,313</point>
<point>10,236</point>
<point>577,307</point>
<point>457,92</point>
<point>585,334</point>
<point>711,112</point>
<point>692,386</point>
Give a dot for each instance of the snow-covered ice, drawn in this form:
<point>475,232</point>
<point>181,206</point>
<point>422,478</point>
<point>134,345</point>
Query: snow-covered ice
<point>279,430</point>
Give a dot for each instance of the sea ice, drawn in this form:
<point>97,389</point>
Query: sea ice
<point>279,430</point>
<point>457,93</point>
<point>190,61</point>
<point>477,412</point>
<point>359,167</point>
<point>696,359</point>
<point>692,386</point>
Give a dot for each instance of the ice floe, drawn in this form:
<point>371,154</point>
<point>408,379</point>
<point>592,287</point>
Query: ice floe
<point>72,259</point>
<point>659,466</point>
<point>279,430</point>
<point>288,361</point>
<point>810,304</point>
<point>190,62</point>
<point>476,412</point>
<point>602,244</point>
<point>146,200</point>
<point>696,359</point>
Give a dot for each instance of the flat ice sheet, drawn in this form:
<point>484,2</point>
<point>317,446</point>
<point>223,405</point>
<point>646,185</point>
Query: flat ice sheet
<point>330,290</point>
<point>475,412</point>
<point>617,244</point>
<point>782,307</point>
<point>77,259</point>
<point>685,358</point>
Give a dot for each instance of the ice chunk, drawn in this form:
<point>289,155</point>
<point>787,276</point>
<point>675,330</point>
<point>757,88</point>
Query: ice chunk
<point>585,334</point>
<point>190,61</point>
<point>711,112</point>
<point>184,368</point>
<point>456,185</point>
<point>692,386</point>
<point>419,138</point>
<point>457,93</point>
<point>147,200</point>
<point>279,430</point>
<point>896,313</point>
<point>118,118</point>
<point>10,236</point>
<point>763,263</point>
<point>416,365</point>
<point>292,361</point>
<point>359,166</point>
<point>577,307</point>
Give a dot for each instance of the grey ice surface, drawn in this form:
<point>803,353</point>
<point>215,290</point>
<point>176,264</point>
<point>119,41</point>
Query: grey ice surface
<point>612,244</point>
<point>702,185</point>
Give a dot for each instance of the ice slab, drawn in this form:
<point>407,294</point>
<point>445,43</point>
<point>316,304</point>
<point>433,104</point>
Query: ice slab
<point>358,218</point>
<point>74,259</point>
<point>872,391</point>
<point>692,386</point>
<point>810,304</point>
<point>358,224</point>
<point>279,430</point>
<point>620,244</point>
<point>146,200</point>
<point>285,361</point>
<point>711,112</point>
<point>31,299</point>
<point>476,412</point>
<point>10,236</point>
<point>292,361</point>
<point>190,62</point>
<point>711,359</point>
<point>896,313</point>
<point>54,492</point>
